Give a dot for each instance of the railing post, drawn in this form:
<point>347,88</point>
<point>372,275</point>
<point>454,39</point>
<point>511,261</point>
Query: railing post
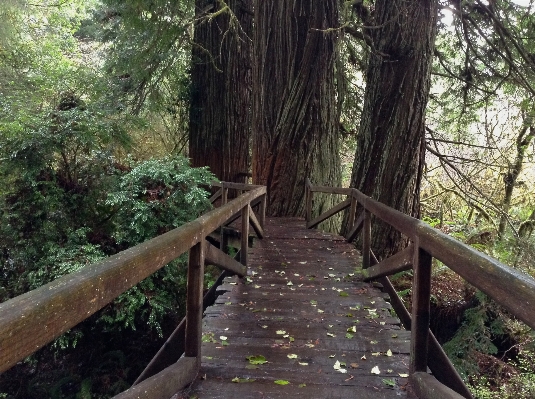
<point>308,197</point>
<point>352,213</point>
<point>366,239</point>
<point>224,194</point>
<point>262,210</point>
<point>244,234</point>
<point>421,296</point>
<point>224,200</point>
<point>194,301</point>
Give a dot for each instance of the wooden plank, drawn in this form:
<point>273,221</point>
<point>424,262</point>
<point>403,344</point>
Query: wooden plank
<point>355,229</point>
<point>427,387</point>
<point>331,212</point>
<point>164,384</point>
<point>421,299</point>
<point>30,321</point>
<point>194,307</point>
<point>396,263</point>
<point>220,259</point>
<point>296,283</point>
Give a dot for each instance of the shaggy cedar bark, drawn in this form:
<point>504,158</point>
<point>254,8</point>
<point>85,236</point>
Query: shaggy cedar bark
<point>220,111</point>
<point>295,116</point>
<point>390,144</point>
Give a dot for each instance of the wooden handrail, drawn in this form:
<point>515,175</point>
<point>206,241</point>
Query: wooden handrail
<point>511,289</point>
<point>30,321</point>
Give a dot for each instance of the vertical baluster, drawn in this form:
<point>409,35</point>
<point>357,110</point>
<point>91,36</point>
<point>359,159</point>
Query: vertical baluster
<point>262,210</point>
<point>366,239</point>
<point>244,234</point>
<point>224,200</point>
<point>421,296</point>
<point>194,302</point>
<point>352,213</point>
<point>308,196</point>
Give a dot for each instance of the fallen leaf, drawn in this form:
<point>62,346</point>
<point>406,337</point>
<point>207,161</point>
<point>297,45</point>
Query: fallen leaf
<point>375,370</point>
<point>339,367</point>
<point>403,375</point>
<point>331,335</point>
<point>281,382</point>
<point>240,380</point>
<point>389,353</point>
<point>388,382</point>
<point>281,332</point>
<point>256,359</point>
<point>303,363</point>
<point>292,356</point>
<point>352,329</point>
<point>349,335</point>
<point>354,365</point>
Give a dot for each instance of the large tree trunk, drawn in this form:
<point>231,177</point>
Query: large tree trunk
<point>295,116</point>
<point>390,144</point>
<point>220,113</point>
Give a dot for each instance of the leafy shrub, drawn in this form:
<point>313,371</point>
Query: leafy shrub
<point>68,203</point>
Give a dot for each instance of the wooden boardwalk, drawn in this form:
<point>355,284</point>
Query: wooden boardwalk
<point>304,309</point>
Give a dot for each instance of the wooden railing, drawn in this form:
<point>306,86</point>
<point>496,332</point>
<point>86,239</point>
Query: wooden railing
<point>508,287</point>
<point>30,321</point>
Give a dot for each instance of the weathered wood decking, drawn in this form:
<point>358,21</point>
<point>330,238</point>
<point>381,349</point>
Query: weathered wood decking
<point>305,309</point>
